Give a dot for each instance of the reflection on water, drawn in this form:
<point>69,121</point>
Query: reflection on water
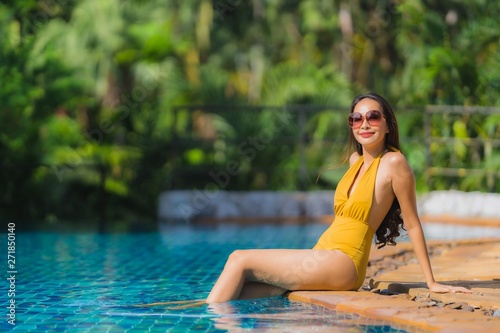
<point>282,315</point>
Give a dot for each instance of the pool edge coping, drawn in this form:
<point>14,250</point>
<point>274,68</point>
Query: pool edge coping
<point>400,310</point>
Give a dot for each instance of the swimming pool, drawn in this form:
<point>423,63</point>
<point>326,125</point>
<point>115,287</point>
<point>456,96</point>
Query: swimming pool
<point>90,282</point>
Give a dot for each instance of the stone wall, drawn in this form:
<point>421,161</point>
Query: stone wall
<point>186,205</point>
<point>190,205</point>
<point>460,204</point>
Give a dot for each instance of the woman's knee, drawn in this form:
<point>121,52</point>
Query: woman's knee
<point>237,259</point>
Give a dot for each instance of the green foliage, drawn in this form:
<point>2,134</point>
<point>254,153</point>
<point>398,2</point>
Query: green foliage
<point>289,83</point>
<point>93,116</point>
<point>450,53</point>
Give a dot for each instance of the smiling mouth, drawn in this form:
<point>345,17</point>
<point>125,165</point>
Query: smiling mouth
<point>366,134</point>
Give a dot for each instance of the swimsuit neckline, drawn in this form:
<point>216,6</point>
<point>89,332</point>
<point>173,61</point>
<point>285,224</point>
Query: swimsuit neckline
<point>361,161</point>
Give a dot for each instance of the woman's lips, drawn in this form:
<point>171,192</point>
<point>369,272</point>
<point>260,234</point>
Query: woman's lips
<point>366,134</point>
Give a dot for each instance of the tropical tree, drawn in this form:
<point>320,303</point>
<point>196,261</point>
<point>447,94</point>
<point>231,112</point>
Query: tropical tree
<point>107,103</point>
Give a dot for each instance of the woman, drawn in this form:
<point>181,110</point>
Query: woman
<point>376,191</point>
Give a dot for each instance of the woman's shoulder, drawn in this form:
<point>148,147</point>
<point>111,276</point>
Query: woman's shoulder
<point>395,157</point>
<point>396,161</point>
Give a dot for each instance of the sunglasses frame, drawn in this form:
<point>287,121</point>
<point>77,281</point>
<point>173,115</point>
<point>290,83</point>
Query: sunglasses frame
<point>367,116</point>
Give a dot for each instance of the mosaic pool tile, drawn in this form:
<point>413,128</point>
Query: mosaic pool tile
<point>92,282</point>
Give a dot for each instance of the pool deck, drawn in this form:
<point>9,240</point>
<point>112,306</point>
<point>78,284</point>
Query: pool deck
<point>393,290</point>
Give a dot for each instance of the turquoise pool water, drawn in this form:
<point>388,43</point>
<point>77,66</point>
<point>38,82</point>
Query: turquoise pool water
<point>92,282</point>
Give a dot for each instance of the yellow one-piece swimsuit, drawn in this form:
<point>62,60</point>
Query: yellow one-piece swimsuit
<point>350,232</point>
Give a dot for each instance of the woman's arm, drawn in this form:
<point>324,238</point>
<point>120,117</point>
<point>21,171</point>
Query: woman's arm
<point>403,185</point>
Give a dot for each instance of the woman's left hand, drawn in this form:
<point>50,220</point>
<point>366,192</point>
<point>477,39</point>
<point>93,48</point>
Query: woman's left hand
<point>443,288</point>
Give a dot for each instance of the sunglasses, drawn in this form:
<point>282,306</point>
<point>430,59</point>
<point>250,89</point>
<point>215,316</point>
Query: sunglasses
<point>373,117</point>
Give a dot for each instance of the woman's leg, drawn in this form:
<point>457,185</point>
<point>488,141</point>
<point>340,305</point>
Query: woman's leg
<point>260,290</point>
<point>286,269</point>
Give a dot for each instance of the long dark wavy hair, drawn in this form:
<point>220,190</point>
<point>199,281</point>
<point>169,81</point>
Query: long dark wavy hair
<point>392,223</point>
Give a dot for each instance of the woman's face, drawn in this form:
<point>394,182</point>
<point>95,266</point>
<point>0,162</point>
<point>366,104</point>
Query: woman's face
<point>369,129</point>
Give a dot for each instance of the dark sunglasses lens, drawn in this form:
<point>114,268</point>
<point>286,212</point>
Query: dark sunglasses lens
<point>373,115</point>
<point>355,118</point>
